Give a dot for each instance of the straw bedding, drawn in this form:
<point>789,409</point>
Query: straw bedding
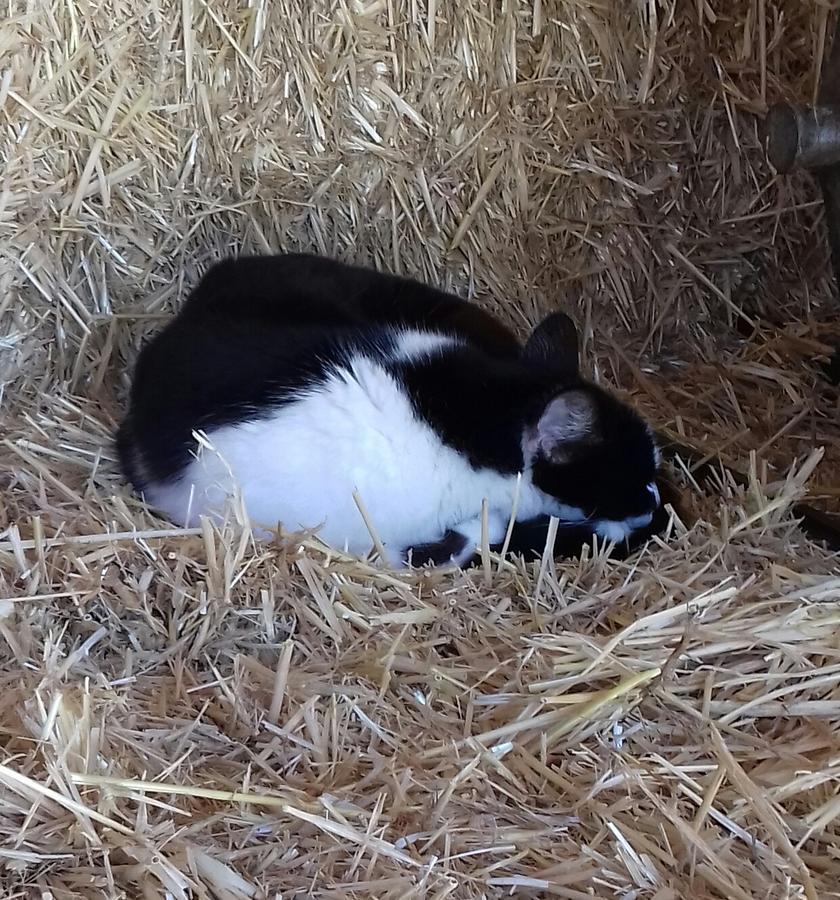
<point>189,714</point>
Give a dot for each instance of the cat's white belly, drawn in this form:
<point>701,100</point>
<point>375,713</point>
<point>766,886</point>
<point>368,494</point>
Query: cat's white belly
<point>301,465</point>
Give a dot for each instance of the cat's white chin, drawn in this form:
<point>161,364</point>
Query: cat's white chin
<point>616,531</point>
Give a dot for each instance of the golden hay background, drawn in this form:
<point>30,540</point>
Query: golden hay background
<point>662,728</point>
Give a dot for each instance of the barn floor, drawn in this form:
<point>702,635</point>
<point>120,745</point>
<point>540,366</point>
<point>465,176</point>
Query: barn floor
<point>189,714</point>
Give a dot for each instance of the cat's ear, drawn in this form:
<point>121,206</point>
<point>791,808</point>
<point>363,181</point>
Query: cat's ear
<point>569,421</point>
<point>554,342</point>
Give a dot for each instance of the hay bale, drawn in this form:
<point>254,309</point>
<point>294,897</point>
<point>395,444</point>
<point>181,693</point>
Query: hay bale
<point>187,713</point>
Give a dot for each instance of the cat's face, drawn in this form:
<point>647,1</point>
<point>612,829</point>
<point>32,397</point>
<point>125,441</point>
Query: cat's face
<point>597,460</point>
<point>591,454</point>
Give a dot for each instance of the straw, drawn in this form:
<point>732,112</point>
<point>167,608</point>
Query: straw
<point>190,713</point>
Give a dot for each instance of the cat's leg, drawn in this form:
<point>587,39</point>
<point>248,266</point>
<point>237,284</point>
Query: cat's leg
<point>470,530</point>
<point>460,543</point>
<point>451,547</point>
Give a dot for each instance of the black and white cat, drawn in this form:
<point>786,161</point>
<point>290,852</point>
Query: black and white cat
<point>312,379</point>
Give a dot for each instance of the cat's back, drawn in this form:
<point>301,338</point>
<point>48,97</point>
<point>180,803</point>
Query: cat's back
<point>295,289</point>
<point>283,290</point>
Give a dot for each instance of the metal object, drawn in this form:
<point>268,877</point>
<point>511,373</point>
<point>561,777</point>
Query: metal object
<point>809,138</point>
<point>803,137</point>
<point>829,177</point>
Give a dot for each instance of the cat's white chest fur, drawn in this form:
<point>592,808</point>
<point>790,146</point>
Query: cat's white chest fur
<point>301,464</point>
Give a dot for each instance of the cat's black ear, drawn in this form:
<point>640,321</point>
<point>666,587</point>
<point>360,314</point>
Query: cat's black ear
<point>569,421</point>
<point>554,342</point>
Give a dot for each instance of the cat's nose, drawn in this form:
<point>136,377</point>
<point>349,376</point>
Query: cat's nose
<point>653,490</point>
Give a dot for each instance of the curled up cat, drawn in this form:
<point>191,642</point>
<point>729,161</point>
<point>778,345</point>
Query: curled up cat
<point>310,380</point>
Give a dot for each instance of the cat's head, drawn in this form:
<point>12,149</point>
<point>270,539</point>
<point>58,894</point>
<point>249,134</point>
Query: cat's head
<point>592,454</point>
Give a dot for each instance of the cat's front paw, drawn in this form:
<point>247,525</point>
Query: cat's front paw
<point>450,549</point>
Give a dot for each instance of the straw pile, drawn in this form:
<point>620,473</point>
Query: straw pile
<point>188,714</point>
